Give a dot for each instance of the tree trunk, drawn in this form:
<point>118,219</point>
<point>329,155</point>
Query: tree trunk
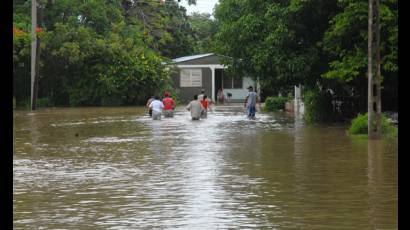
<point>36,77</point>
<point>33,50</point>
<point>374,74</point>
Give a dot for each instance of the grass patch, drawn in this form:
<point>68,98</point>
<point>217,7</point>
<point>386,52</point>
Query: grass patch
<point>359,126</point>
<point>43,102</point>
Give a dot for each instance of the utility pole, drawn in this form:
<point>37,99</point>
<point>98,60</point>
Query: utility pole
<point>33,51</point>
<point>374,106</point>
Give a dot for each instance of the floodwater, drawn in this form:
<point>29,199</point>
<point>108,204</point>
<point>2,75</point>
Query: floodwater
<point>114,168</point>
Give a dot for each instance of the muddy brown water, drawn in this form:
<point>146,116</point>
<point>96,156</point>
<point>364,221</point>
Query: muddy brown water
<point>114,168</point>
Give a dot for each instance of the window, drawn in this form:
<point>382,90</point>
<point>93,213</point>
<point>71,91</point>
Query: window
<point>227,83</point>
<point>191,78</point>
<point>237,83</point>
<point>232,83</point>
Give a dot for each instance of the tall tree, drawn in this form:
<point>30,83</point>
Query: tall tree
<point>203,28</point>
<point>100,51</point>
<point>277,42</point>
<point>346,43</point>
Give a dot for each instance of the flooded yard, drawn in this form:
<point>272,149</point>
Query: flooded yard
<point>115,168</point>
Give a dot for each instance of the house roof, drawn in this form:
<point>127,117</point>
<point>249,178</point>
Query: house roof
<point>189,58</point>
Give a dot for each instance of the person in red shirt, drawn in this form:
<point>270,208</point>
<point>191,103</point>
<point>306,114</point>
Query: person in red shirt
<point>205,104</point>
<point>169,105</point>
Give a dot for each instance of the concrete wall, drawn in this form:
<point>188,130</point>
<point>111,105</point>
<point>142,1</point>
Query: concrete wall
<point>187,93</point>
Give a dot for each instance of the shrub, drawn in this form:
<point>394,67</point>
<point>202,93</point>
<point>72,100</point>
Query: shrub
<point>359,125</point>
<point>318,107</point>
<point>275,103</point>
<point>42,102</point>
<point>23,104</point>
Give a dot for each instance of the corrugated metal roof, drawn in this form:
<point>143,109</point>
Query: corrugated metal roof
<point>188,58</point>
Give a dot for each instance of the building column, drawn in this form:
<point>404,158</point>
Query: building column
<point>213,83</point>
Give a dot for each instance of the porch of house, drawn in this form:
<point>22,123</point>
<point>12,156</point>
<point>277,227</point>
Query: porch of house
<point>212,77</point>
<point>234,88</point>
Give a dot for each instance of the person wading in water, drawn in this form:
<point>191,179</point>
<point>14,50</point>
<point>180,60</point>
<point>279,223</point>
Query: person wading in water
<point>156,106</point>
<point>201,95</point>
<point>250,103</point>
<point>195,107</point>
<point>169,105</point>
<point>205,103</point>
<point>148,103</point>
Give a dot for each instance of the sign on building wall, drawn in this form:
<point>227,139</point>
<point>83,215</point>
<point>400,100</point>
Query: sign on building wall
<point>191,78</point>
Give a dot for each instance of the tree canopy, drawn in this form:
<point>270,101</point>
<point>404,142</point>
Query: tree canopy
<point>321,44</point>
<point>99,52</point>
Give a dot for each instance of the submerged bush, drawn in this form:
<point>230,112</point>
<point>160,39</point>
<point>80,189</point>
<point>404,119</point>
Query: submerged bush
<point>359,125</point>
<point>275,103</point>
<point>318,107</point>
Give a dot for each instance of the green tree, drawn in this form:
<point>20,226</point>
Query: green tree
<point>21,53</point>
<point>321,44</point>
<point>165,26</point>
<point>346,43</point>
<point>277,42</point>
<point>99,52</point>
<point>204,28</point>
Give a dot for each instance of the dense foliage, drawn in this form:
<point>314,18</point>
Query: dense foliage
<point>359,125</point>
<point>275,103</point>
<point>204,29</point>
<point>318,106</point>
<point>276,41</point>
<point>345,42</point>
<point>321,44</point>
<point>99,52</point>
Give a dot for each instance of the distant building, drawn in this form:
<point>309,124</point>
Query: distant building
<point>205,71</point>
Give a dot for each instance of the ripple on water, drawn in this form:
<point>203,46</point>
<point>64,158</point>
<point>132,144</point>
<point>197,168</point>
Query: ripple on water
<point>129,172</point>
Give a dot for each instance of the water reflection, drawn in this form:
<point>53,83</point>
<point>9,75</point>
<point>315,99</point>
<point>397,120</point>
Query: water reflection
<point>382,183</point>
<point>125,171</point>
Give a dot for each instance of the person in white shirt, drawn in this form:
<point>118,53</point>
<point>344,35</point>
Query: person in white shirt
<point>156,106</point>
<point>195,107</point>
<point>201,96</point>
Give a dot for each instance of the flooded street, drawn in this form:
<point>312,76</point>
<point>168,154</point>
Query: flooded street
<point>115,168</point>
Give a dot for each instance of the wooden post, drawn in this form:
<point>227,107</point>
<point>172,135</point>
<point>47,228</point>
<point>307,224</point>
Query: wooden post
<point>374,74</point>
<point>36,76</point>
<point>33,51</point>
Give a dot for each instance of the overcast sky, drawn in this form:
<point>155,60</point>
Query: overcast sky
<point>202,6</point>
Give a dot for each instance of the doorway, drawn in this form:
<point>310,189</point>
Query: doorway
<point>218,81</point>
